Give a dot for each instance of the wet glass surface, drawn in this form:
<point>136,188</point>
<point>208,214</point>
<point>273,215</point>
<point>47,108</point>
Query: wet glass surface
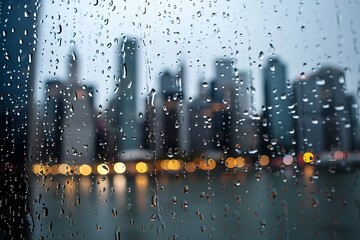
<point>179,119</point>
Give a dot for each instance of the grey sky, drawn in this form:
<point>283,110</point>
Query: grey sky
<point>304,34</point>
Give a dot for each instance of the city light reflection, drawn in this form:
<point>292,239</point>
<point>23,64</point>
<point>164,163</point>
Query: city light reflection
<point>119,183</point>
<point>141,183</point>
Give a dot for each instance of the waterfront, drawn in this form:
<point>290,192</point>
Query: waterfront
<point>289,204</point>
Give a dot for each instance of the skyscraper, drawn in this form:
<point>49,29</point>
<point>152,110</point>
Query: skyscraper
<point>79,119</point>
<point>234,130</point>
<point>124,123</point>
<point>277,101</point>
<point>324,117</point>
<point>53,120</point>
<point>166,116</point>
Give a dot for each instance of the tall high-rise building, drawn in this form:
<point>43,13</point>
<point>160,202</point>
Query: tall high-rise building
<point>167,128</point>
<point>234,130</point>
<point>324,118</point>
<point>277,102</point>
<point>124,124</point>
<point>79,119</point>
<point>201,132</point>
<point>53,121</point>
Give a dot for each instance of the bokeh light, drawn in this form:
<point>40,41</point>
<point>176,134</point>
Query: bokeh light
<point>288,159</point>
<point>141,167</point>
<point>240,162</point>
<point>264,160</point>
<point>85,170</point>
<point>119,167</point>
<point>308,157</point>
<point>103,169</point>
<point>64,168</point>
<point>230,162</point>
<point>190,167</point>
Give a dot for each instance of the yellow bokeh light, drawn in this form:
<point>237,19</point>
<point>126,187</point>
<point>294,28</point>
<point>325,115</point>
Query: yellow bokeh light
<point>190,167</point>
<point>230,162</point>
<point>209,164</point>
<point>119,167</point>
<point>102,169</point>
<point>264,160</point>
<point>36,168</point>
<point>85,170</point>
<point>240,162</point>
<point>164,164</point>
<point>141,167</point>
<point>64,168</point>
<point>41,169</point>
<point>308,157</point>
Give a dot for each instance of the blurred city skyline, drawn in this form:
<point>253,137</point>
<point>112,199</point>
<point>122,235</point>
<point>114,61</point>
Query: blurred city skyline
<point>169,36</point>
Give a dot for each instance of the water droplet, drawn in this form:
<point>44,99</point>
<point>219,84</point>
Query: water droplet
<point>114,212</point>
<point>186,189</point>
<point>314,121</point>
<point>339,107</point>
<point>59,29</point>
<point>320,82</point>
<point>261,55</point>
<point>170,153</point>
<point>177,125</point>
<point>272,47</point>
<point>124,70</point>
<point>153,217</point>
<point>263,223</point>
<point>117,233</point>
<point>152,97</point>
<point>341,79</point>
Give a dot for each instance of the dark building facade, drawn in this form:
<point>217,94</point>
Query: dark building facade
<point>17,43</point>
<point>166,125</point>
<point>324,113</point>
<point>124,125</point>
<point>278,116</point>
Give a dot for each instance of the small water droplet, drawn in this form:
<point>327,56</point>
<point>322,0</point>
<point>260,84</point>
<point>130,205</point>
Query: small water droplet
<point>261,55</point>
<point>124,70</point>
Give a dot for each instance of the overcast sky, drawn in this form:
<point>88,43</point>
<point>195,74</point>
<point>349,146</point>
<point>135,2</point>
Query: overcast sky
<point>305,34</point>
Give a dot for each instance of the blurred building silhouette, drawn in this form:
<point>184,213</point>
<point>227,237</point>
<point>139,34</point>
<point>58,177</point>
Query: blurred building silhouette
<point>53,120</point>
<point>17,48</point>
<point>78,145</point>
<point>324,113</point>
<point>201,131</point>
<point>165,116</point>
<point>352,107</point>
<point>124,125</point>
<point>220,117</point>
<point>277,115</point>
